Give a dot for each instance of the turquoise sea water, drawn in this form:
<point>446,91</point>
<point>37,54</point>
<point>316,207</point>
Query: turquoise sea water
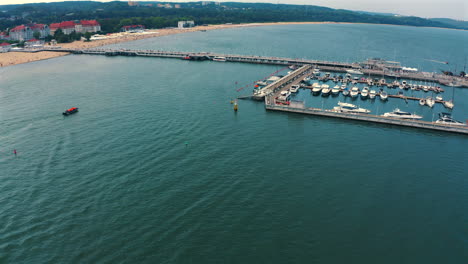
<point>157,168</point>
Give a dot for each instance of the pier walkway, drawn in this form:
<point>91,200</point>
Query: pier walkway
<point>323,65</point>
<point>299,107</point>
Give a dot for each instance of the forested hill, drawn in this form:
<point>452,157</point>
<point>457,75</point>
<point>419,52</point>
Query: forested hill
<point>113,15</point>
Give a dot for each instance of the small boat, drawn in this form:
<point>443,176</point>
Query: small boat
<point>325,90</point>
<point>397,113</point>
<point>354,71</point>
<point>383,95</point>
<point>449,104</point>
<point>422,101</point>
<point>316,72</point>
<point>372,94</point>
<point>365,92</point>
<point>316,88</point>
<point>219,58</point>
<point>425,88</point>
<point>446,119</point>
<point>430,101</point>
<point>70,111</point>
<point>345,91</point>
<point>354,92</point>
<point>294,88</point>
<point>335,90</point>
<point>439,98</point>
<point>350,108</point>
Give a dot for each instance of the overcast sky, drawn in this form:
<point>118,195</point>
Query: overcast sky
<point>457,9</point>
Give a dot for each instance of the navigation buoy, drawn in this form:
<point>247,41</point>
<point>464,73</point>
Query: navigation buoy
<point>235,106</point>
<point>14,151</point>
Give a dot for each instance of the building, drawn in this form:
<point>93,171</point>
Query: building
<point>34,43</point>
<point>67,27</point>
<point>5,47</point>
<point>21,33</point>
<point>43,29</point>
<point>132,28</point>
<point>4,36</point>
<point>185,24</point>
<point>89,26</point>
<point>82,26</point>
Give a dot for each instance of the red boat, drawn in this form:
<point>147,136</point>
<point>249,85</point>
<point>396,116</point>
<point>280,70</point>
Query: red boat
<point>70,111</point>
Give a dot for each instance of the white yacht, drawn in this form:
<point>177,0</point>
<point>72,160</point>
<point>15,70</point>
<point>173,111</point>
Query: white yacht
<point>354,92</point>
<point>439,98</point>
<point>294,88</point>
<point>283,97</point>
<point>422,101</point>
<point>354,71</point>
<point>316,88</point>
<point>446,119</point>
<point>365,92</point>
<point>372,94</point>
<point>383,95</point>
<point>449,104</point>
<point>350,108</point>
<point>219,58</point>
<point>316,72</point>
<point>335,90</point>
<point>345,91</point>
<point>325,90</point>
<point>397,113</point>
<point>430,101</point>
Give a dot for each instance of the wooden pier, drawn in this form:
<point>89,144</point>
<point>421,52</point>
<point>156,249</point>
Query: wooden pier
<point>299,107</point>
<point>323,65</point>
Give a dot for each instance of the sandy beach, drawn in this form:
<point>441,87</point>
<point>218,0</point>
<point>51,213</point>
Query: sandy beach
<point>13,58</point>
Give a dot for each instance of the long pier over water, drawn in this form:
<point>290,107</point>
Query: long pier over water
<point>324,65</point>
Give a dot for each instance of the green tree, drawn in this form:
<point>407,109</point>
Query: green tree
<point>37,35</point>
<point>87,36</point>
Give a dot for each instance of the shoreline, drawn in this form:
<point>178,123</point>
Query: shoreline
<point>15,58</point>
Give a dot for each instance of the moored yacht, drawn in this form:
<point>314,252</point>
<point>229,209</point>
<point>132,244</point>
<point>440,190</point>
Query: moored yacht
<point>430,101</point>
<point>383,95</point>
<point>316,88</point>
<point>350,108</point>
<point>446,119</point>
<point>365,92</point>
<point>422,101</point>
<point>449,104</point>
<point>335,90</point>
<point>325,90</point>
<point>219,58</point>
<point>294,88</point>
<point>372,94</point>
<point>397,113</point>
<point>354,92</point>
<point>346,91</point>
<point>354,71</point>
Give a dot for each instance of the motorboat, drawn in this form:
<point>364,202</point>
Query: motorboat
<point>430,101</point>
<point>70,111</point>
<point>439,98</point>
<point>283,97</point>
<point>372,94</point>
<point>354,71</point>
<point>354,92</point>
<point>316,72</point>
<point>383,95</point>
<point>316,88</point>
<point>219,58</point>
<point>446,119</point>
<point>350,108</point>
<point>325,90</point>
<point>294,88</point>
<point>346,91</point>
<point>449,104</point>
<point>425,88</point>
<point>422,101</point>
<point>365,92</point>
<point>397,113</point>
<point>335,90</point>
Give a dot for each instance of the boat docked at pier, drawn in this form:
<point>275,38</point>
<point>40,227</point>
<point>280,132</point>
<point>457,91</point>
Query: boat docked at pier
<point>335,90</point>
<point>350,108</point>
<point>294,88</point>
<point>365,92</point>
<point>325,90</point>
<point>446,119</point>
<point>430,101</point>
<point>372,94</point>
<point>397,113</point>
<point>219,58</point>
<point>354,71</point>
<point>383,95</point>
<point>449,104</point>
<point>316,88</point>
<point>354,92</point>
